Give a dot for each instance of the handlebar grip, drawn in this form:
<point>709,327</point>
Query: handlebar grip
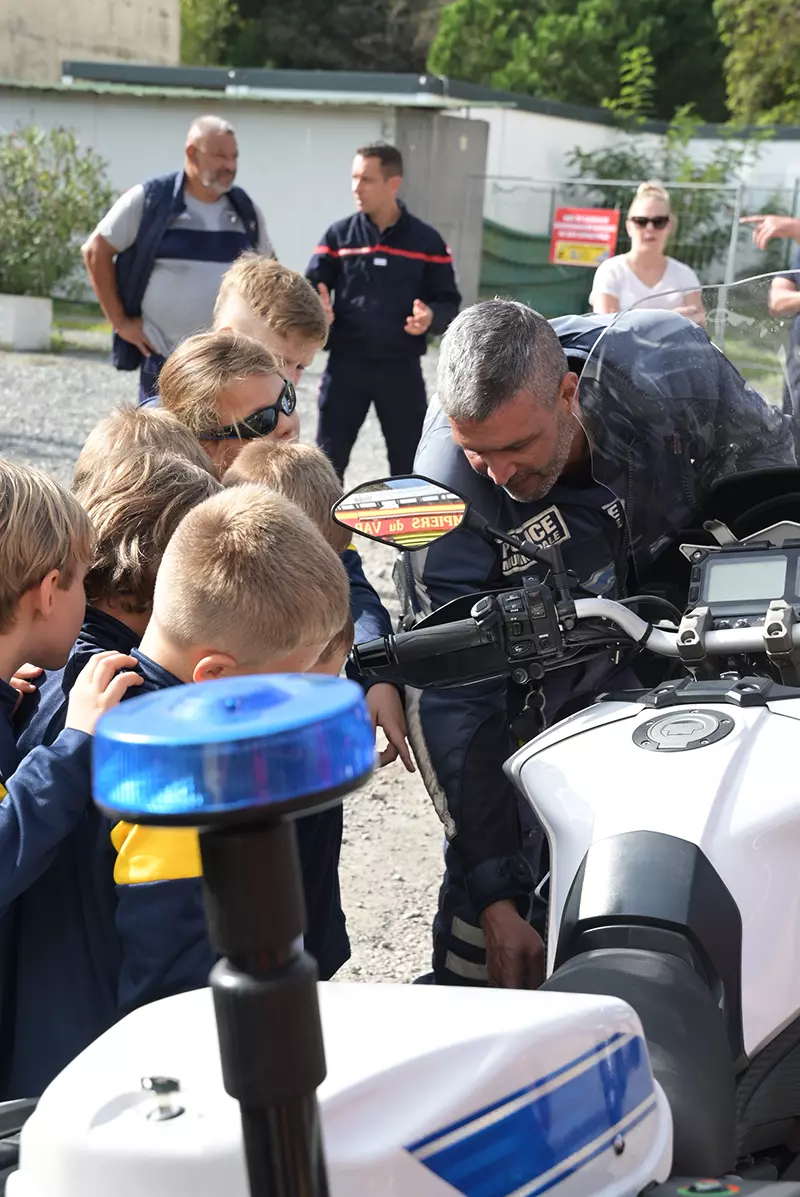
<point>388,655</point>
<point>443,638</point>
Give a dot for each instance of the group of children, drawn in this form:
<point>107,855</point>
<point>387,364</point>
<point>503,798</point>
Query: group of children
<point>196,543</point>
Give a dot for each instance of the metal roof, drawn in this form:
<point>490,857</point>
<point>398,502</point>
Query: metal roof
<point>351,88</point>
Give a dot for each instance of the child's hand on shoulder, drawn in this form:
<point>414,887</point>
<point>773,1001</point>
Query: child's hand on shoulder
<point>99,687</point>
<point>22,681</point>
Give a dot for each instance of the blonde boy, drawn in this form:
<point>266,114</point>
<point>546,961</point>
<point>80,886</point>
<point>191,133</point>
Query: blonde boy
<point>247,585</point>
<point>46,544</point>
<point>305,475</point>
<point>302,473</point>
<point>131,429</point>
<point>277,306</point>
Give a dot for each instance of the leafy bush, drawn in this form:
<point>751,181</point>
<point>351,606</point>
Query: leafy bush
<point>52,194</point>
<point>703,215</point>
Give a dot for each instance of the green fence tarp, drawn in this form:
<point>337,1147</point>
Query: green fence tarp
<point>515,266</point>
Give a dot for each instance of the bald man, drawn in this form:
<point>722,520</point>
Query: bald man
<point>156,258</point>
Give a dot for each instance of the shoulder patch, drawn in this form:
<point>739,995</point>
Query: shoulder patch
<point>547,528</point>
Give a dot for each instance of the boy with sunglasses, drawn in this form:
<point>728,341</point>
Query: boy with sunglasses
<point>229,390</point>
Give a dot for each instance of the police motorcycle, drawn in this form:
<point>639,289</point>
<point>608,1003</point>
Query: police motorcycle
<point>659,1056</point>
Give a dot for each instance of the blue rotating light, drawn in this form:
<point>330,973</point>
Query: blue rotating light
<point>281,742</point>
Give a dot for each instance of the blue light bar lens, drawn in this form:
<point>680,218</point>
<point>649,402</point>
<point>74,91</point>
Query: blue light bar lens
<point>230,745</point>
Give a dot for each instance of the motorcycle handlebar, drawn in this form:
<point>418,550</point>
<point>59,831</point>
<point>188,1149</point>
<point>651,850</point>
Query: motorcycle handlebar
<point>731,642</point>
<point>412,656</point>
<point>405,648</point>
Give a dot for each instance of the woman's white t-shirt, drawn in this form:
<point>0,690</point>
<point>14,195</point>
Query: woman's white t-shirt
<point>615,277</point>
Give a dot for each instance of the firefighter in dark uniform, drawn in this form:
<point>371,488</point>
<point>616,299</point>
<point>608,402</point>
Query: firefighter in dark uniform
<point>612,474</point>
<point>387,281</point>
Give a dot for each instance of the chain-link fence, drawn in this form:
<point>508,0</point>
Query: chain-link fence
<point>708,236</point>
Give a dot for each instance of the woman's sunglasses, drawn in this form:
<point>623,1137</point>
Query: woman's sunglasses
<point>261,423</point>
<point>641,222</point>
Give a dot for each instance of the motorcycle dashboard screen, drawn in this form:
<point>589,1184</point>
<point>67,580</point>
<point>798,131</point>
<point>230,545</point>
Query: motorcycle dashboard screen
<point>747,577</point>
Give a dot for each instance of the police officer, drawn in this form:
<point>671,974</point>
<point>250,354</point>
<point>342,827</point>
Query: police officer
<point>157,257</point>
<point>392,284</point>
<point>666,415</point>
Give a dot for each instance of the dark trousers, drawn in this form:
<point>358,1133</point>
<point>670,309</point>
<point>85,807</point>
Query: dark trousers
<point>148,376</point>
<point>349,386</point>
<point>459,948</point>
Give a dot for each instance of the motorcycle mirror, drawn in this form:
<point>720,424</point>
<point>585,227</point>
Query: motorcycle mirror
<point>408,512</point>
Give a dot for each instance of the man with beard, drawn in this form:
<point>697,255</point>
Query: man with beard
<point>611,474</point>
<point>156,258</point>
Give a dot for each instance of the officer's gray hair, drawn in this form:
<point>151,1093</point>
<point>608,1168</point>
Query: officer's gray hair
<point>201,126</point>
<point>491,351</point>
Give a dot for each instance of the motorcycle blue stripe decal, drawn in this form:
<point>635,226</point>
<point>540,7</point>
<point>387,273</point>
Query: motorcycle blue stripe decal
<point>534,1145</point>
<point>537,1084</point>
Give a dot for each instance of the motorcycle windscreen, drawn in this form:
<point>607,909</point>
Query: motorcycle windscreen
<point>671,407</point>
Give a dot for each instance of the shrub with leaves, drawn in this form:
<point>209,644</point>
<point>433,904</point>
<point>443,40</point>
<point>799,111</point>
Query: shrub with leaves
<point>52,194</point>
<point>703,215</point>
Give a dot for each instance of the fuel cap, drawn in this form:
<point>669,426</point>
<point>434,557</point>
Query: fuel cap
<point>680,731</point>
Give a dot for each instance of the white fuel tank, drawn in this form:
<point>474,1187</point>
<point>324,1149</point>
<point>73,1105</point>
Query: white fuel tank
<point>723,777</point>
<point>429,1092</point>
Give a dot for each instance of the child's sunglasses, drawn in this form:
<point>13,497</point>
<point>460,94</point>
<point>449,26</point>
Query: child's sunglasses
<point>658,222</point>
<point>261,423</point>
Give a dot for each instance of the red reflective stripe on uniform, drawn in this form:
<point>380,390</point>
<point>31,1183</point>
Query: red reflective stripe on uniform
<point>349,251</point>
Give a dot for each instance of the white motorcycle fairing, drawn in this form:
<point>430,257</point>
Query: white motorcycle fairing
<point>429,1092</point>
<point>733,794</point>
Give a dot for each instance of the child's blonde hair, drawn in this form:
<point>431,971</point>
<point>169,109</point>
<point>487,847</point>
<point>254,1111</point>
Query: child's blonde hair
<point>249,574</point>
<point>42,528</point>
<point>135,505</point>
<point>201,369</point>
<point>128,429</point>
<point>282,298</point>
<point>341,644</point>
<point>651,189</point>
<point>300,472</point>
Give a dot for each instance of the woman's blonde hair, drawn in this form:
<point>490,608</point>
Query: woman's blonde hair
<point>201,369</point>
<point>652,189</point>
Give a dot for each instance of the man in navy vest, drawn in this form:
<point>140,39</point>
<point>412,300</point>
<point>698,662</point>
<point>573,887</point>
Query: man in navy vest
<point>392,281</point>
<point>156,258</point>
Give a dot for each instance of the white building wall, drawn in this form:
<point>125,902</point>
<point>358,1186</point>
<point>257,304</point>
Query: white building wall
<point>294,160</point>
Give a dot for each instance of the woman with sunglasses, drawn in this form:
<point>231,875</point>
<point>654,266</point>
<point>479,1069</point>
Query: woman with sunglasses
<point>645,277</point>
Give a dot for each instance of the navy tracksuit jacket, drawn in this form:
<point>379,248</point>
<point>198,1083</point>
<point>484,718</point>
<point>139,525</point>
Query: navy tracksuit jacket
<point>374,278</point>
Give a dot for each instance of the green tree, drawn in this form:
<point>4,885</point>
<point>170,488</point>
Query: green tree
<point>762,67</point>
<point>703,215</point>
<point>205,29</point>
<point>575,50</point>
<point>309,34</point>
<point>52,194</point>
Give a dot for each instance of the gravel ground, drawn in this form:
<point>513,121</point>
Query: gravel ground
<point>391,857</point>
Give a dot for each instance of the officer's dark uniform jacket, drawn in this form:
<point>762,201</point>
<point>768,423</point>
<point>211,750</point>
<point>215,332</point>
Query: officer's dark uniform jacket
<point>667,415</point>
<point>376,276</point>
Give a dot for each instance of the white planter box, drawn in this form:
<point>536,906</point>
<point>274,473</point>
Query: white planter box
<point>25,322</point>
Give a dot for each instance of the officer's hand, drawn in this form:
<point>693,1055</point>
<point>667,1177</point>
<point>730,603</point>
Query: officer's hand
<point>514,951</point>
<point>767,227</point>
<point>98,688</point>
<point>131,330</point>
<point>325,296</point>
<point>386,710</point>
<point>420,320</point>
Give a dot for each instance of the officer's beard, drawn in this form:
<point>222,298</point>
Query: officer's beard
<point>526,486</point>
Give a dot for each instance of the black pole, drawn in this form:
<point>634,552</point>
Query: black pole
<point>265,998</point>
